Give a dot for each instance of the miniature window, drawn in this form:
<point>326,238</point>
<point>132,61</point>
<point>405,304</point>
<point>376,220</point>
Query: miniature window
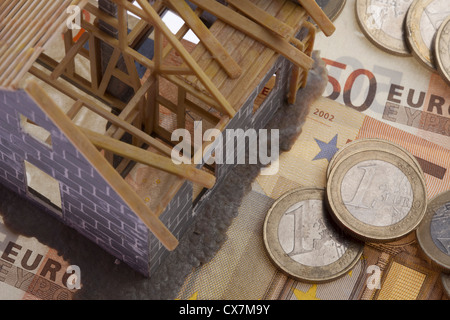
<point>37,132</point>
<point>265,92</point>
<point>43,188</point>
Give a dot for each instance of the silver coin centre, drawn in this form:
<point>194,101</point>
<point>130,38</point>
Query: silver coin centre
<point>432,17</point>
<point>377,193</point>
<point>306,236</point>
<point>440,228</point>
<point>388,16</point>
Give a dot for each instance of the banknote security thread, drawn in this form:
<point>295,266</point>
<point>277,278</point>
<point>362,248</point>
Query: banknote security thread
<point>301,239</point>
<point>423,19</point>
<point>382,22</point>
<point>433,233</point>
<point>376,195</point>
<point>442,50</point>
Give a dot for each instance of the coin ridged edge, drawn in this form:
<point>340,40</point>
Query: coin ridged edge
<point>423,233</point>
<point>353,226</point>
<point>355,248</point>
<point>437,57</point>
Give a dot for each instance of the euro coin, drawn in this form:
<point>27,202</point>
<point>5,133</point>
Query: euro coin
<point>373,144</point>
<point>376,195</point>
<point>423,19</point>
<point>302,240</point>
<point>382,22</point>
<point>433,234</point>
<point>442,50</point>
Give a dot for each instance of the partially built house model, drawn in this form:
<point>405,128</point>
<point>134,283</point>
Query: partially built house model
<point>143,82</point>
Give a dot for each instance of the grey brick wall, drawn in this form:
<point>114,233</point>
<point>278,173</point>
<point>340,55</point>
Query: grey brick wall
<point>89,205</point>
<point>177,216</point>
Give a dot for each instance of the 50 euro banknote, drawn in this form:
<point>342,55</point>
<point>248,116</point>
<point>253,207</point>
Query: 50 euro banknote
<point>396,90</point>
<point>242,270</point>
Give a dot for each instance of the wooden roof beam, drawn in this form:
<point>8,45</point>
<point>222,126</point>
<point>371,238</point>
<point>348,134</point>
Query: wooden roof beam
<point>257,32</point>
<point>319,17</point>
<point>151,16</point>
<point>216,49</point>
<point>151,159</point>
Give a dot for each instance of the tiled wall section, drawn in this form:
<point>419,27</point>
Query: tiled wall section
<point>88,203</point>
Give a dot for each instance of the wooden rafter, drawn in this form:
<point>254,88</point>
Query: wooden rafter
<point>151,159</point>
<point>151,16</point>
<point>257,32</point>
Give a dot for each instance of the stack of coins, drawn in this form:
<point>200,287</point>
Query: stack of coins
<point>409,27</point>
<point>375,192</point>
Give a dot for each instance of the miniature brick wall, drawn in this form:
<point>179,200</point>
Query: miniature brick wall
<point>88,203</point>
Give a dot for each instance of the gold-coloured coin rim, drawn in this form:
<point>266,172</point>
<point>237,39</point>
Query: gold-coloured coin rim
<point>413,35</point>
<point>403,52</point>
<point>437,57</point>
<point>368,144</point>
<point>423,232</point>
<point>365,231</point>
<point>291,267</point>
<point>445,279</point>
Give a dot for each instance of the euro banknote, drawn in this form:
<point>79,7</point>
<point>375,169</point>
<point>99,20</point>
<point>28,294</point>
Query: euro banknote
<point>242,269</point>
<point>393,89</point>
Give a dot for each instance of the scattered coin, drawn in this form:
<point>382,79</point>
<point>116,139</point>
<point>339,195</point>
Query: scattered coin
<point>442,50</point>
<point>445,278</point>
<point>382,22</point>
<point>423,19</point>
<point>302,240</point>
<point>376,195</point>
<point>433,234</point>
<point>332,8</point>
<point>373,144</point>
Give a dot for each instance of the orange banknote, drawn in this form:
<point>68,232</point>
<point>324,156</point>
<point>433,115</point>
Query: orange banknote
<point>242,269</point>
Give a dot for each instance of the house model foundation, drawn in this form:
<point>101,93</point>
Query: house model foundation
<point>142,82</point>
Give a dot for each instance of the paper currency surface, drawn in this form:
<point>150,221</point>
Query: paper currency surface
<point>242,270</point>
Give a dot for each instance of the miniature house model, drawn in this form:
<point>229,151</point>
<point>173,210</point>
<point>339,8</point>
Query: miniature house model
<point>142,81</point>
